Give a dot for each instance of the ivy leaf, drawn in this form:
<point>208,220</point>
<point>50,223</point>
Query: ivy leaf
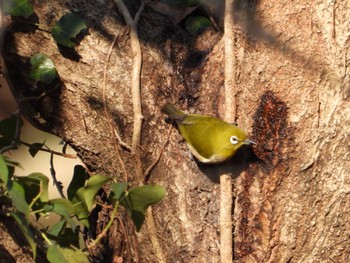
<point>79,178</point>
<point>17,195</point>
<point>138,199</point>
<point>34,148</point>
<point>56,229</point>
<point>57,254</point>
<point>84,197</point>
<point>24,226</point>
<point>9,171</point>
<point>63,207</point>
<point>93,185</point>
<point>81,212</point>
<point>18,8</point>
<point>43,69</point>
<point>4,171</point>
<point>35,184</point>
<point>68,27</point>
<point>118,190</point>
<point>195,24</point>
<point>12,163</point>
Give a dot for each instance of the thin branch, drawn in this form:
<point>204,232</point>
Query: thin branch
<point>121,142</point>
<point>109,119</point>
<point>105,230</point>
<point>65,155</point>
<point>136,72</point>
<point>230,116</point>
<point>53,175</point>
<point>39,97</point>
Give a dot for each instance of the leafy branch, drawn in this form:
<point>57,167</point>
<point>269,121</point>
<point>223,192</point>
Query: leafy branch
<point>29,194</point>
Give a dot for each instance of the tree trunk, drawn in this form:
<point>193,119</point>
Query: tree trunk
<point>290,200</point>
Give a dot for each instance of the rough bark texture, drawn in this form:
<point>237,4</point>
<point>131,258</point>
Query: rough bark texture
<point>292,57</point>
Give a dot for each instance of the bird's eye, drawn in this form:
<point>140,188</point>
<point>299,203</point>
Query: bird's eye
<point>233,139</point>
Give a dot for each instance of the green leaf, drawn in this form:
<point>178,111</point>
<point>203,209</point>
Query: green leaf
<point>194,24</point>
<point>62,207</point>
<point>81,212</point>
<point>84,197</point>
<point>24,226</point>
<point>35,147</point>
<point>43,69</point>
<point>139,199</point>
<point>117,190</point>
<point>93,185</point>
<point>17,195</point>
<point>56,229</point>
<point>35,184</point>
<point>79,178</point>
<point>18,8</point>
<point>57,254</point>
<point>12,163</point>
<point>4,172</point>
<point>68,27</point>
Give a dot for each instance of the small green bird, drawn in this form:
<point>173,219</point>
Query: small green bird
<point>209,139</point>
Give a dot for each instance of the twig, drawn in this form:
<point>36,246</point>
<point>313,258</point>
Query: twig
<point>105,230</point>
<point>121,142</point>
<point>230,116</point>
<point>53,174</point>
<point>39,97</point>
<point>109,119</point>
<point>66,155</point>
<point>135,79</point>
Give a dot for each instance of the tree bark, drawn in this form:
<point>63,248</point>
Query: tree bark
<point>290,202</point>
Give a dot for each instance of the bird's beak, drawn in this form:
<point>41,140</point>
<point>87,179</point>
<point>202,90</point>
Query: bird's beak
<point>249,142</point>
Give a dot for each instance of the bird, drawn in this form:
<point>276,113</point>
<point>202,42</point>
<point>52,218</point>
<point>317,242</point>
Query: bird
<point>209,139</point>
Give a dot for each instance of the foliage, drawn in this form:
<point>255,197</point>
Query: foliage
<point>43,69</point>
<point>30,200</point>
<point>138,199</point>
<point>28,195</point>
<point>68,27</point>
<point>57,254</point>
<point>195,24</point>
<point>18,8</point>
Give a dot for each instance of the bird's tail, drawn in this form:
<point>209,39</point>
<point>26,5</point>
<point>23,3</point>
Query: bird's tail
<point>173,113</point>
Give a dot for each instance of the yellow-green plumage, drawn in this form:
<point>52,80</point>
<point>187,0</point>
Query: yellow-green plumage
<point>210,140</point>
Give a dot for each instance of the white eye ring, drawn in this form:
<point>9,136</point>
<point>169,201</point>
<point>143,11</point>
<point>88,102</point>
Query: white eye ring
<point>234,140</point>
